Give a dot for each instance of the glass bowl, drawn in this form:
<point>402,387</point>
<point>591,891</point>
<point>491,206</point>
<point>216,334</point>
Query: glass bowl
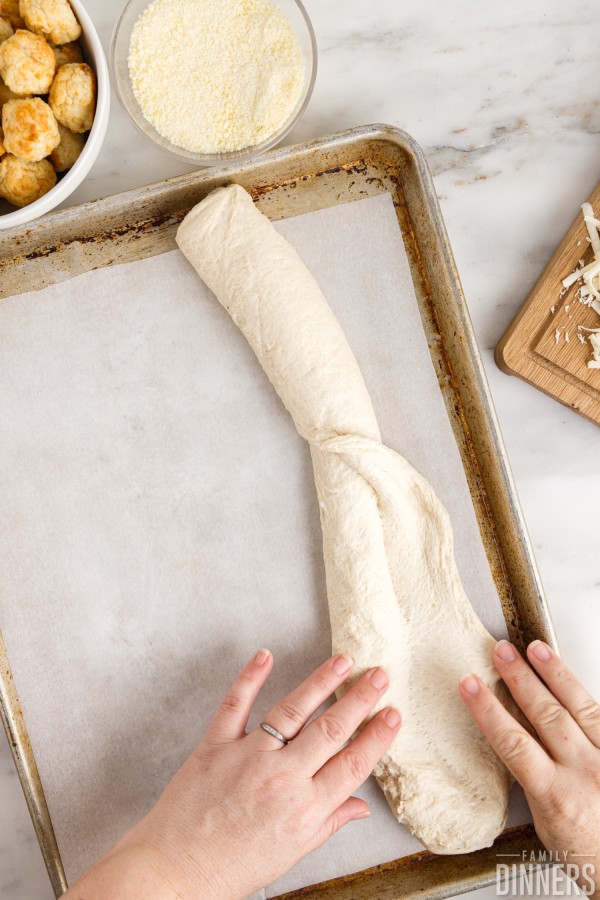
<point>119,52</point>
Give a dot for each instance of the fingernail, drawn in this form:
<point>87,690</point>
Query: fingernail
<point>470,684</point>
<point>261,657</point>
<point>341,664</point>
<point>540,650</point>
<point>392,717</point>
<point>364,814</point>
<point>378,679</point>
<point>505,651</point>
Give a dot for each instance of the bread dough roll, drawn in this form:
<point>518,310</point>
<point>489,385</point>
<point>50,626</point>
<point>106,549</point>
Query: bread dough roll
<point>30,129</point>
<point>27,63</point>
<point>395,597</point>
<point>67,53</point>
<point>68,151</point>
<point>6,94</point>
<point>72,97</point>
<point>9,9</point>
<point>6,29</point>
<point>53,18</point>
<point>23,182</point>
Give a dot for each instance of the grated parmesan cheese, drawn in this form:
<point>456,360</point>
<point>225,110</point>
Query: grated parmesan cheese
<point>214,76</point>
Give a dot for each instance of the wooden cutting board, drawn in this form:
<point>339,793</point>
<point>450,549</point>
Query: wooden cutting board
<point>542,346</point>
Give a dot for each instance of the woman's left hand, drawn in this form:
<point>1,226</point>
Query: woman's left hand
<point>245,807</point>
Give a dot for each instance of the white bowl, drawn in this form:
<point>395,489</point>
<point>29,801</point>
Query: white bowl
<point>95,58</point>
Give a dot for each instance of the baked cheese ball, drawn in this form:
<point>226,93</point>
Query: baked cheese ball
<point>22,182</point>
<point>30,129</point>
<point>2,147</point>
<point>67,53</point>
<point>9,9</point>
<point>6,29</point>
<point>68,151</point>
<point>27,63</point>
<point>72,96</point>
<point>53,18</point>
<point>6,94</point>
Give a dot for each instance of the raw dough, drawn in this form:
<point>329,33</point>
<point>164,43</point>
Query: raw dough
<point>395,597</point>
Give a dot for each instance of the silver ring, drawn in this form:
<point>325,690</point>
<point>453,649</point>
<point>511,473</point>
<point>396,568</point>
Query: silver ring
<point>273,731</point>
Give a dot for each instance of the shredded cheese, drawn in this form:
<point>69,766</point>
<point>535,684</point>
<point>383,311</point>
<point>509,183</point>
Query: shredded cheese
<point>595,342</point>
<point>589,290</point>
<point>214,76</point>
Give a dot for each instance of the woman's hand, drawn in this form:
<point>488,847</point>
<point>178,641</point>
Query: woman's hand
<point>561,773</point>
<point>245,807</point>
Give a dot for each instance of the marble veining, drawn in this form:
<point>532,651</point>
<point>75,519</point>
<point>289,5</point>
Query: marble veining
<point>503,98</point>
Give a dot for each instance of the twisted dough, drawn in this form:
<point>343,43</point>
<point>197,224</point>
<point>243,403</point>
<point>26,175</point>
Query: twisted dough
<point>395,597</point>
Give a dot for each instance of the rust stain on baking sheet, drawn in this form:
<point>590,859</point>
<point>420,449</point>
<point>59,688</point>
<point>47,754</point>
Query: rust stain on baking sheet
<point>450,389</point>
<point>358,166</point>
<point>148,226</point>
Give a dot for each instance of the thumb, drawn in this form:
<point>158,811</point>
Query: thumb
<point>351,809</point>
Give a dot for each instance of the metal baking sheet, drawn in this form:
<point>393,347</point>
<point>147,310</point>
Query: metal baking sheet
<point>361,163</point>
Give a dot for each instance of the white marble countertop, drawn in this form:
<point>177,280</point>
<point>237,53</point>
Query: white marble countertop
<point>503,98</point>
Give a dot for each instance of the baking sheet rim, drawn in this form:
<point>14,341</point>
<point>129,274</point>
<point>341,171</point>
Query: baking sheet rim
<point>10,710</point>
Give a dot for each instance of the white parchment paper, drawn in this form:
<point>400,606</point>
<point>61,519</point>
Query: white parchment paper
<point>159,519</point>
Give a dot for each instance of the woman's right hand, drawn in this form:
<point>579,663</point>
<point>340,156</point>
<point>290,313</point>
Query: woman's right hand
<point>560,774</point>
